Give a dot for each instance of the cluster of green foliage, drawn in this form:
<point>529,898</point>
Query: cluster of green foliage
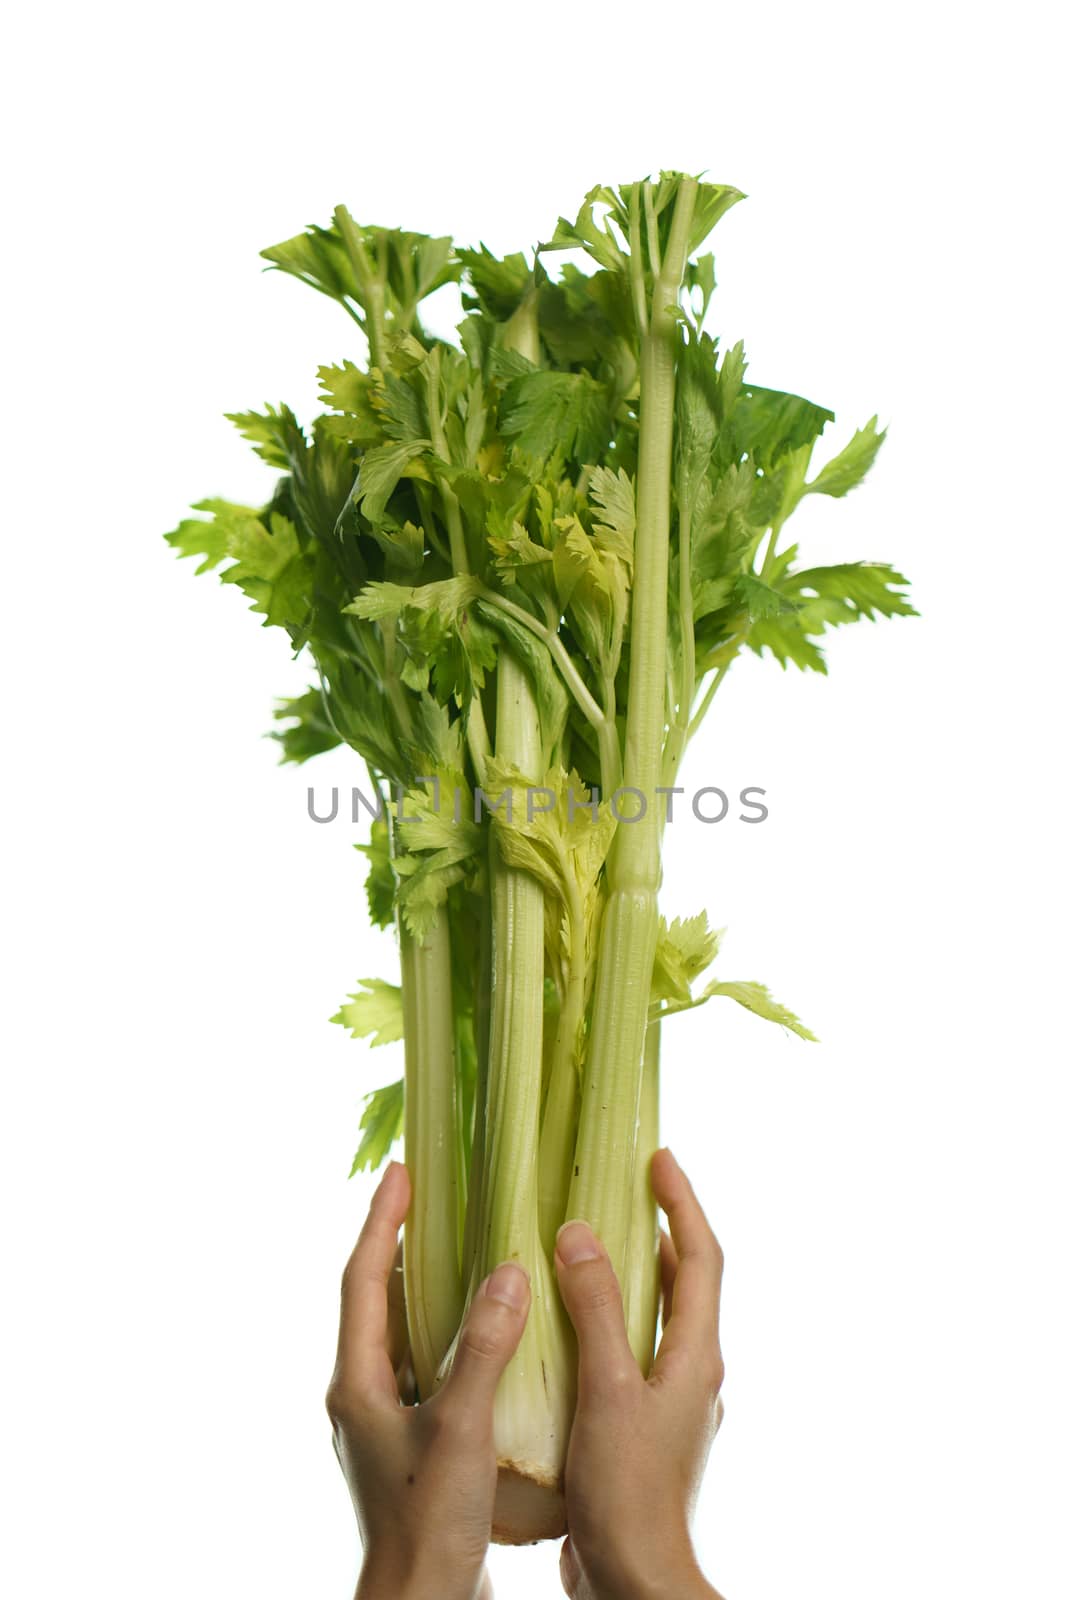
<point>455,498</point>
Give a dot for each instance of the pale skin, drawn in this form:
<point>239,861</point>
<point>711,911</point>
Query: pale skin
<point>423,1477</point>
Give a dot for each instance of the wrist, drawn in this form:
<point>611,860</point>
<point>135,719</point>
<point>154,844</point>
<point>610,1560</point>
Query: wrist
<point>398,1575</point>
<point>659,1576</point>
<point>688,1585</point>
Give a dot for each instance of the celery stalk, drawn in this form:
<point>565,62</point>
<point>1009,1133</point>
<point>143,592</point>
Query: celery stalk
<point>604,1159</point>
<point>641,1290</point>
<point>431,1233</point>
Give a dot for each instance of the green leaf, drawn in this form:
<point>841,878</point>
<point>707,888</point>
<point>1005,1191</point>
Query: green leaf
<point>757,998</point>
<point>507,365</point>
<point>381,470</point>
<point>270,568</point>
<point>552,833</point>
<point>723,534</point>
<point>346,387</point>
<point>847,592</point>
<point>710,595</point>
<point>200,536</point>
<point>684,949</point>
<point>553,702</point>
<point>267,561</point>
<point>544,411</point>
<point>785,638</point>
<point>399,406</point>
<point>311,732</point>
<point>499,286</point>
<point>274,433</point>
<point>444,599</point>
<point>585,233</point>
<point>317,257</point>
<point>696,412</point>
<point>380,882</point>
<point>424,885</point>
<point>612,496</point>
<point>700,275</point>
<point>759,599</point>
<point>360,711</point>
<point>514,551</point>
<point>851,466</point>
<point>382,1124</point>
<point>713,201</point>
<point>767,424</point>
<point>375,1013</point>
<point>593,585</point>
<point>438,817</point>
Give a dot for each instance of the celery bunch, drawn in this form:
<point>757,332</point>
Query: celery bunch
<point>521,565</point>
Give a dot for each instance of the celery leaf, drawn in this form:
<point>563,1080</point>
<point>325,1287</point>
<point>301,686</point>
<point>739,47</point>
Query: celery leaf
<point>375,1013</point>
<point>382,1124</point>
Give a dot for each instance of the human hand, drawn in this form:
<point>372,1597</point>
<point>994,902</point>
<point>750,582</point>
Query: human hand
<point>638,1448</point>
<point>422,1478</point>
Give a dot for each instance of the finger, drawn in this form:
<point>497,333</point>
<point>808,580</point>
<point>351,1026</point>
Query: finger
<point>690,1343</point>
<point>593,1300</point>
<point>489,1339</point>
<point>362,1355</point>
<point>570,1574</point>
<point>668,1271</point>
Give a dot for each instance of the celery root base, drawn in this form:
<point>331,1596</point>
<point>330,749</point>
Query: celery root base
<point>529,1505</point>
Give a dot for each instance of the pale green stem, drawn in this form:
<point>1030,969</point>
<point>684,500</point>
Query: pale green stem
<point>559,1124</point>
<point>556,1143</point>
<point>432,1286</point>
<point>637,271</point>
<point>601,1188</point>
<point>521,332</point>
<point>477,733</point>
<point>643,1287</point>
<point>535,1397</point>
<point>603,726</point>
<point>682,711</point>
<point>709,695</point>
<point>476,1187</point>
<point>514,1091</point>
<point>651,229</point>
<point>792,494</point>
<point>371,285</point>
<point>768,555</point>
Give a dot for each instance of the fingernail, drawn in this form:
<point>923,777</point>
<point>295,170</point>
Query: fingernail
<point>508,1284</point>
<point>576,1242</point>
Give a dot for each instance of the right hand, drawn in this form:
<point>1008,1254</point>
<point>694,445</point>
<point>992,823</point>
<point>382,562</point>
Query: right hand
<point>638,1447</point>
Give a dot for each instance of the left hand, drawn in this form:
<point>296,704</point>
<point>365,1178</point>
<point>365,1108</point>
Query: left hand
<point>422,1478</point>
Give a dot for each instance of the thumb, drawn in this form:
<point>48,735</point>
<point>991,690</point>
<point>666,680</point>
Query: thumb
<point>593,1299</point>
<point>570,1573</point>
<point>490,1336</point>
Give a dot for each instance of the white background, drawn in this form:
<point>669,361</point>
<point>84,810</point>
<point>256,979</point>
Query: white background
<point>179,1117</point>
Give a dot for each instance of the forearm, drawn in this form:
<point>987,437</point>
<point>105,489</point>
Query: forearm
<point>692,1586</point>
<point>660,1575</point>
<point>393,1579</point>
